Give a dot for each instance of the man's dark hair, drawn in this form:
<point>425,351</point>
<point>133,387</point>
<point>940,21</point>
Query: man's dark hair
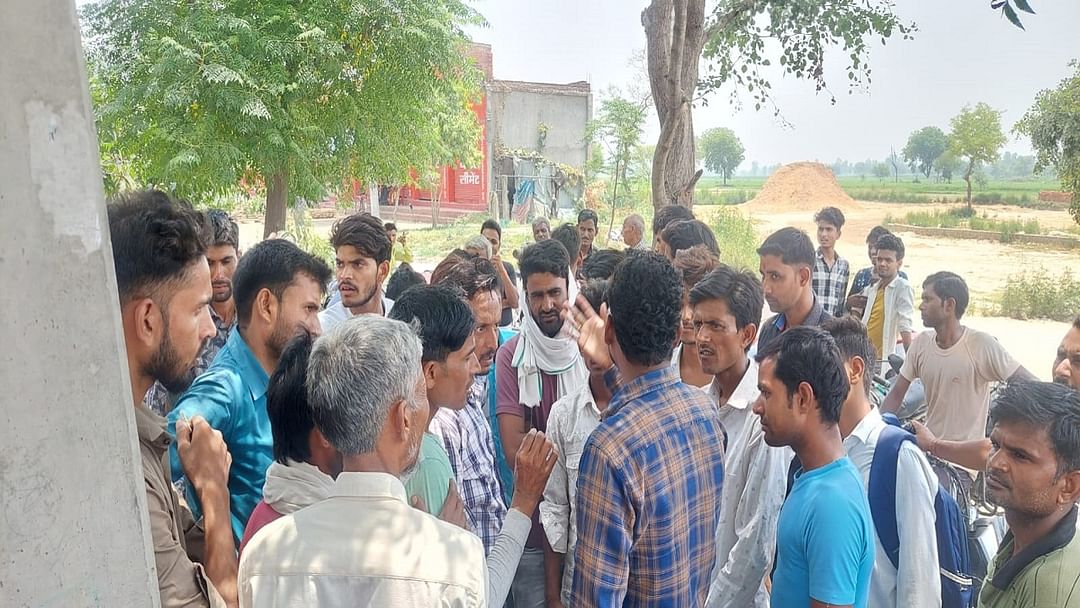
<point>365,233</point>
<point>490,224</point>
<point>830,215</point>
<point>226,232</point>
<point>852,340</point>
<point>791,245</point>
<point>949,285</point>
<point>1052,407</point>
<point>667,215</point>
<point>287,407</point>
<point>402,279</point>
<point>646,319</point>
<point>693,264</point>
<point>739,289</point>
<point>546,256</point>
<point>588,214</point>
<point>568,235</point>
<point>809,354</point>
<point>1076,322</point>
<point>388,226</point>
<point>688,233</point>
<point>470,277</point>
<point>445,320</point>
<point>595,292</point>
<point>891,242</point>
<point>155,240</point>
<point>876,233</point>
<point>273,264</point>
<point>601,264</point>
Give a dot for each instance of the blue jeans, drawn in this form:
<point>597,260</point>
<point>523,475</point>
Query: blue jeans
<point>527,590</point>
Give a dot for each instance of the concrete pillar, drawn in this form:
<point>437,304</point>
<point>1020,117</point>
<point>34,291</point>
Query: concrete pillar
<point>373,196</point>
<point>73,524</point>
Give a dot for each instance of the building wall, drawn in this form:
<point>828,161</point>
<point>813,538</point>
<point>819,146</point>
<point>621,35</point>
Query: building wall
<point>516,115</point>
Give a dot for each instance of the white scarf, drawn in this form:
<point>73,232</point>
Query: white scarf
<point>558,356</point>
<point>292,487</point>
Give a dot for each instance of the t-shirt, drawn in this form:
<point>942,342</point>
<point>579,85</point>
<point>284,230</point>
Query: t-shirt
<point>431,478</point>
<point>957,380</point>
<point>875,326</point>
<point>508,313</point>
<point>825,539</point>
<point>506,402</point>
<point>1046,574</point>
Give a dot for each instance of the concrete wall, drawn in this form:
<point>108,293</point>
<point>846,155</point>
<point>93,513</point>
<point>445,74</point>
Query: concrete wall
<point>516,115</point>
<point>988,235</point>
<point>73,523</point>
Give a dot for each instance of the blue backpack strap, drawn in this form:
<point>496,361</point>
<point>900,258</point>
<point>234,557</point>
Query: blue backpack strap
<point>882,489</point>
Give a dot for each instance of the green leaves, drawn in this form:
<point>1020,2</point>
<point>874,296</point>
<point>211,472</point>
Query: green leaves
<point>721,151</point>
<point>1053,124</point>
<point>1010,13</point>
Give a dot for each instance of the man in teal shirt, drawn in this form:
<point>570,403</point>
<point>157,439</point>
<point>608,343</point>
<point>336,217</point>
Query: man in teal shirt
<point>277,288</point>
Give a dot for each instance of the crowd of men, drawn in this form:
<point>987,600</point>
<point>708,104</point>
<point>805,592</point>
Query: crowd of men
<point>637,436</point>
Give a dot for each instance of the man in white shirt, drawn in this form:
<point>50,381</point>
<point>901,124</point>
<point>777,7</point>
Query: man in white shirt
<point>955,363</point>
<point>362,257</point>
<point>890,301</point>
<point>367,397</point>
<point>727,308</point>
<point>917,580</point>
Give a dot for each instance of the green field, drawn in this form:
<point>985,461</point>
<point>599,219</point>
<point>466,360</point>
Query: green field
<point>1024,193</point>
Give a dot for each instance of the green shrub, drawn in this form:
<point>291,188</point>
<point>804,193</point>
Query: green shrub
<point>737,238</point>
<point>1040,295</point>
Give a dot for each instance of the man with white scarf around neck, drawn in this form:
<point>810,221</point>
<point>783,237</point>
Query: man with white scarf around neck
<point>533,370</point>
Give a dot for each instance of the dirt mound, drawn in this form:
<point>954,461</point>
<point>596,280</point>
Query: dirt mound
<point>801,187</point>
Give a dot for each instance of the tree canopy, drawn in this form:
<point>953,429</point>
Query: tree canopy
<point>1053,124</point>
<point>722,151</point>
<point>196,97</point>
<point>923,148</point>
<point>976,136</point>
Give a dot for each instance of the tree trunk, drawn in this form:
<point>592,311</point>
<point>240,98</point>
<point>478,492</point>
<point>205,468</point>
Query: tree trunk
<point>967,178</point>
<point>614,201</point>
<point>277,197</point>
<point>675,36</point>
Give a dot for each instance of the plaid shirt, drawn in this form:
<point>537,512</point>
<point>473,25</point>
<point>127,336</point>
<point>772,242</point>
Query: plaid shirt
<point>648,497</point>
<point>469,444</point>
<point>157,398</point>
<point>830,284</point>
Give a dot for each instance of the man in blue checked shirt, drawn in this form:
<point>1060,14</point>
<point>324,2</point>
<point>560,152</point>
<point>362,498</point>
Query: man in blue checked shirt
<point>638,547</point>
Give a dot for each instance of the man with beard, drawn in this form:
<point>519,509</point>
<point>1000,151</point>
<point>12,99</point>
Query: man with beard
<point>164,289</point>
<point>278,288</point>
<point>362,255</point>
<point>364,544</point>
<point>222,256</point>
<point>587,224</point>
<point>533,371</point>
<point>1034,474</point>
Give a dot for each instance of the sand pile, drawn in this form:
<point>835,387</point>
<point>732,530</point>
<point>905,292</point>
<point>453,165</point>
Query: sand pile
<point>801,187</point>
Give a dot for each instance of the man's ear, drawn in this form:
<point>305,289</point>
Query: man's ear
<point>804,398</point>
<point>265,306</point>
<point>384,270</point>
<point>747,335</point>
<point>1070,488</point>
<point>855,368</point>
<point>430,371</point>
<point>609,330</point>
<point>399,419</point>
<point>148,322</point>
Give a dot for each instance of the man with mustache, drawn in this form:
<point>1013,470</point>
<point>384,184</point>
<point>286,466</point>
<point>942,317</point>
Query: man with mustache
<point>222,255</point>
<point>787,267</point>
<point>278,288</point>
<point>1034,474</point>
<point>362,256</point>
<point>533,371</point>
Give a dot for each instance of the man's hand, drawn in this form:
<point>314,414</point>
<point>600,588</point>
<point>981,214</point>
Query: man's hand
<point>856,303</point>
<point>589,326</point>
<point>203,454</point>
<point>535,459</point>
<point>453,510</point>
<point>924,437</point>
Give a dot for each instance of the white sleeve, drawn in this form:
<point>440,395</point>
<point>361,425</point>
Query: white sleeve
<point>505,554</point>
<point>918,579</point>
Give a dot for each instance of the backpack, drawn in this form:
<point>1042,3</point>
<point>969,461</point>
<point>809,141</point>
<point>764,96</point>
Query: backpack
<point>954,561</point>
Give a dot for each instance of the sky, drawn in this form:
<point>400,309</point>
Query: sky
<point>963,53</point>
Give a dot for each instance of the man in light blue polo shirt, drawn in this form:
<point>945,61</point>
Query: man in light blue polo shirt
<point>278,288</point>
<point>825,538</point>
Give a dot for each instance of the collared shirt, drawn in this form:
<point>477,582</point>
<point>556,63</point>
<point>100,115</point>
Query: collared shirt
<point>157,398</point>
<point>755,478</point>
<point>642,245</point>
<point>864,278</point>
<point>918,581</point>
<point>363,546</point>
<point>231,396</point>
<point>466,435</point>
<point>573,418</point>
<point>336,312</point>
<point>777,324</point>
<point>181,582</point>
<point>676,364</point>
<point>1045,574</point>
<point>649,486</point>
<point>899,311</point>
<point>830,284</point>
